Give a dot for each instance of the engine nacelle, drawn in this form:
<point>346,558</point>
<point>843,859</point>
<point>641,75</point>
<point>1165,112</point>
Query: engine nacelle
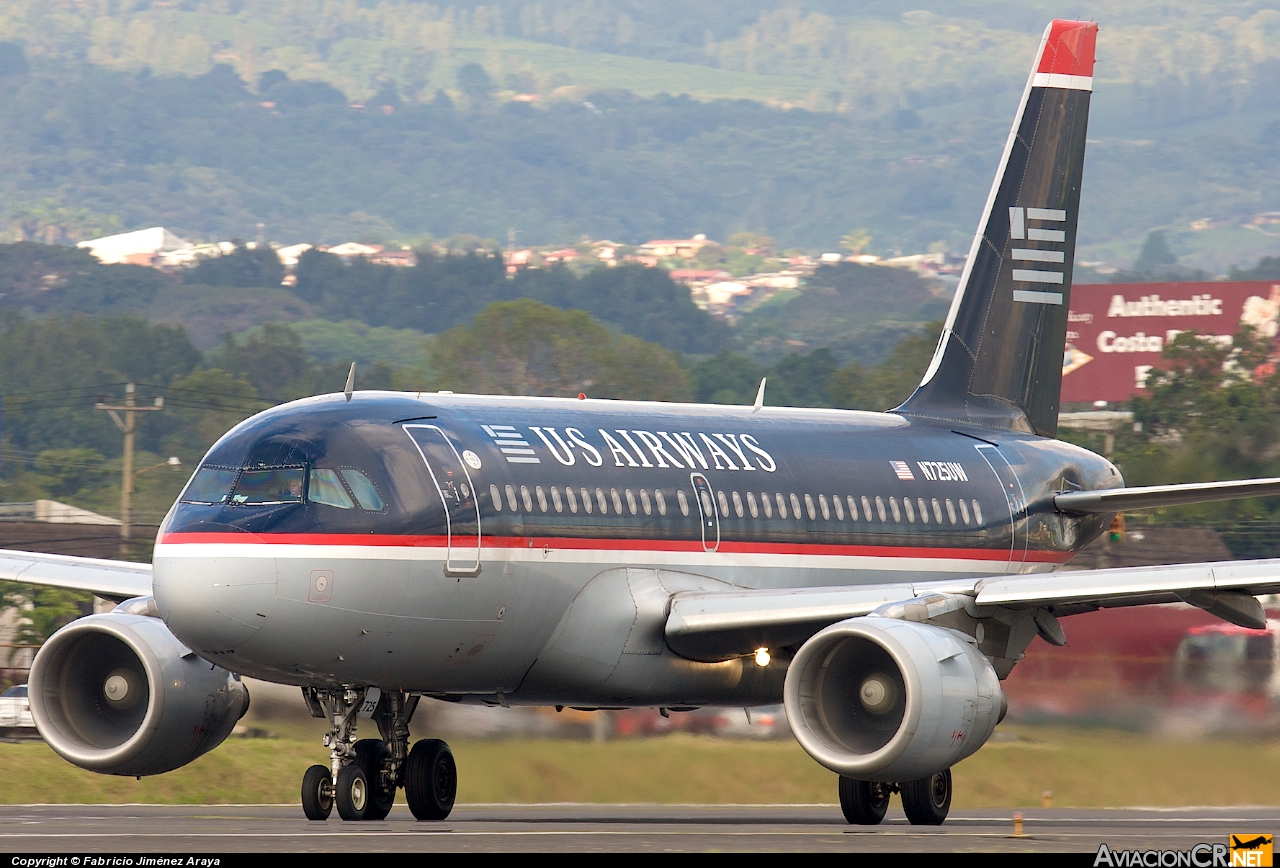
<point>119,694</point>
<point>885,700</point>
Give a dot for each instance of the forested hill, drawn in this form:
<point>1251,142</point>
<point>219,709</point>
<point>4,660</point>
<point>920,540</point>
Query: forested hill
<point>803,118</point>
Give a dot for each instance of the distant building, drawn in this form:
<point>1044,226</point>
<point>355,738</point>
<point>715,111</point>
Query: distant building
<point>354,248</point>
<point>565,254</point>
<point>52,512</point>
<point>691,276</point>
<point>142,247</point>
<point>290,255</point>
<point>666,247</point>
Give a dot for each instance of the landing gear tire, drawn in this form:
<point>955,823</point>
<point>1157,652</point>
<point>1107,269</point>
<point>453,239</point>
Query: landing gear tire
<point>317,793</point>
<point>430,780</point>
<point>351,792</point>
<point>927,801</point>
<point>372,755</point>
<point>863,802</point>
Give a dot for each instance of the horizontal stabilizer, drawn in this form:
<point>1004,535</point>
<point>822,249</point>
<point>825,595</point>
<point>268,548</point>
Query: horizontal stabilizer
<point>1120,499</point>
<point>111,580</point>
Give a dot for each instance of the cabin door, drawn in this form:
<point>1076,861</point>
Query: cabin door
<point>1016,501</point>
<point>457,493</point>
<point>705,498</point>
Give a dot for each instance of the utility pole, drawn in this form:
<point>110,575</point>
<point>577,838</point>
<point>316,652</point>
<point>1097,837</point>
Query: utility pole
<point>127,426</point>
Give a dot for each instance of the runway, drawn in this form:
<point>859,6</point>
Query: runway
<point>138,829</point>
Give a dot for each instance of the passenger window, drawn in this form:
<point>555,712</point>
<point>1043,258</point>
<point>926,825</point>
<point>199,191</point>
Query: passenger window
<point>604,507</point>
<point>977,513</point>
<point>839,505</point>
<point>511,498</point>
<point>707,507</point>
<point>496,497</point>
<point>964,511</point>
<point>910,508</point>
<point>951,511</point>
<point>724,504</point>
<point>737,504</point>
<point>542,498</point>
<point>826,510</point>
<point>782,506</point>
<point>866,509</point>
<point>880,509</point>
<point>528,500</point>
<point>767,504</point>
<point>631,501</point>
<point>853,508</point>
<point>210,485</point>
<point>617,501</point>
<point>893,507</point>
<point>555,499</point>
<point>645,504</point>
<point>924,510</point>
<point>808,506</point>
<point>573,500</point>
<point>684,501</point>
<point>586,501</point>
<point>277,485</point>
<point>323,487</point>
<point>937,511</point>
<point>662,502</point>
<point>363,488</point>
<point>752,505</point>
<point>795,507</point>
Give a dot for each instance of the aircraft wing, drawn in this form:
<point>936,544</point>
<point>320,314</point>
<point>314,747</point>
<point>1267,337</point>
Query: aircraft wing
<point>1147,497</point>
<point>713,626</point>
<point>111,580</point>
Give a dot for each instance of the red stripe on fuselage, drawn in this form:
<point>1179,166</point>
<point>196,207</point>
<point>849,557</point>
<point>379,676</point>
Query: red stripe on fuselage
<point>612,545</point>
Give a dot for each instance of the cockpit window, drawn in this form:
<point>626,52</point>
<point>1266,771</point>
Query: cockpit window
<point>324,487</point>
<point>274,485</point>
<point>363,488</point>
<point>210,485</point>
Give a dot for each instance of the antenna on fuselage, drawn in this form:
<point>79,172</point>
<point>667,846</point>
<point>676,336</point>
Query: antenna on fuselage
<point>759,395</point>
<point>351,382</point>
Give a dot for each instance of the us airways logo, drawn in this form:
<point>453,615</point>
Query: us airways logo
<point>632,447</point>
<point>1037,262</point>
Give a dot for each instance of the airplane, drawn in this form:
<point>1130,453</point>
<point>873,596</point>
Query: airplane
<point>879,573</point>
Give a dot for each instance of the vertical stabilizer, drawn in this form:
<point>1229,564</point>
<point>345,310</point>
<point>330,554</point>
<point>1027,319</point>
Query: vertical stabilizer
<point>999,361</point>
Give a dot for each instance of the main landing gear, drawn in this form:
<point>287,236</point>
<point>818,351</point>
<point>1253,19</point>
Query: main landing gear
<point>363,775</point>
<point>925,802</point>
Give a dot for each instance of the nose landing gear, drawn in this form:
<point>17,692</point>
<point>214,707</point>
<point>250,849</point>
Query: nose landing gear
<point>363,775</point>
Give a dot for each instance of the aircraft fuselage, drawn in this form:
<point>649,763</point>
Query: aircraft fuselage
<point>452,545</point>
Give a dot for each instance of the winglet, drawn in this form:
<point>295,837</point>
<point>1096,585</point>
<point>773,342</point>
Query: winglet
<point>351,382</point>
<point>759,396</point>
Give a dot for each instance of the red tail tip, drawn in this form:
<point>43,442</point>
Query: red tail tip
<point>1068,48</point>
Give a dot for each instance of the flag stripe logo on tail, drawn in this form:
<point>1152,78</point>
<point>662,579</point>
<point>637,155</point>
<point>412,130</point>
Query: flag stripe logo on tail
<point>1020,231</point>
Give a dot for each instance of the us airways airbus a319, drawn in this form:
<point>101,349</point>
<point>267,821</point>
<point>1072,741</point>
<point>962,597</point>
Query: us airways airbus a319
<point>879,573</point>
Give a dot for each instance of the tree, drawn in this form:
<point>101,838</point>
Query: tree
<point>42,611</point>
<point>856,240</point>
<point>243,267</point>
<point>525,347</point>
<point>1155,255</point>
<point>888,384</point>
<point>475,83</point>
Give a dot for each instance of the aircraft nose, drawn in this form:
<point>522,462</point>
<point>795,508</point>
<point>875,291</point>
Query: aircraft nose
<point>212,602</point>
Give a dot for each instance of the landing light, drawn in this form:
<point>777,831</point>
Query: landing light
<point>762,657</point>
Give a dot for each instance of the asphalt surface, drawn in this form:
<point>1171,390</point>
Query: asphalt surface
<point>139,829</point>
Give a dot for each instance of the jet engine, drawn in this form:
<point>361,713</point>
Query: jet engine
<point>885,700</point>
<point>117,693</point>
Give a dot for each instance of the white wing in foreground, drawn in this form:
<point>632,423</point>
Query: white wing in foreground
<point>721,625</point>
<point>111,580</point>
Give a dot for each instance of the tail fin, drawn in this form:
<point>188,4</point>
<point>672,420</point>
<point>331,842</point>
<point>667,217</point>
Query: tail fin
<point>999,361</point>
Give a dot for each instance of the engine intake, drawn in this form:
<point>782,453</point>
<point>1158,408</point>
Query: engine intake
<point>886,700</point>
<point>119,694</point>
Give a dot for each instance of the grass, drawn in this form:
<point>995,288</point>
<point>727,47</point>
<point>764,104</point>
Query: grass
<point>1083,768</point>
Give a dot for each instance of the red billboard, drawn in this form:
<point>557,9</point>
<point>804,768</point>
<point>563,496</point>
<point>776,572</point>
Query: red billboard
<point>1116,332</point>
